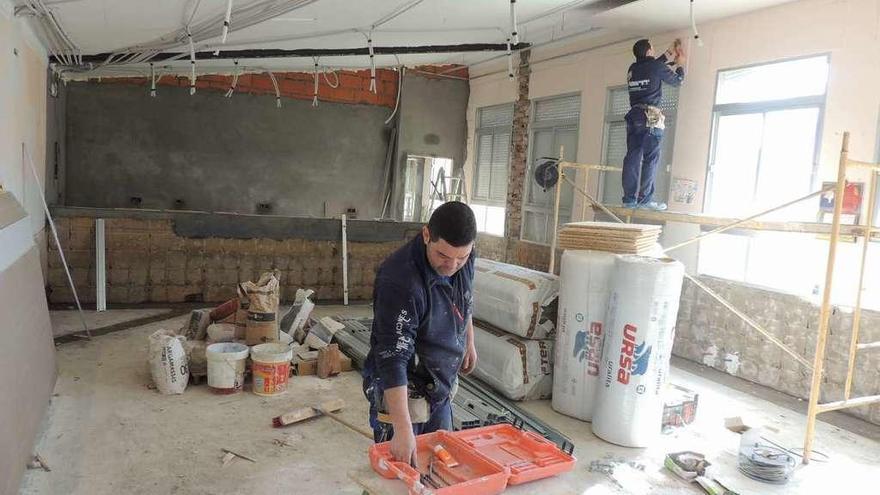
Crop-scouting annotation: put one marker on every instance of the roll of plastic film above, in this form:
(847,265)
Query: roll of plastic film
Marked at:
(583,302)
(642,312)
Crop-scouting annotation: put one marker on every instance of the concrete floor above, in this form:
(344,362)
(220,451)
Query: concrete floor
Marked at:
(66,322)
(107,432)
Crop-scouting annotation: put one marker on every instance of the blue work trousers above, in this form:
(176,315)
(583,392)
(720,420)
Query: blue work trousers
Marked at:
(642,158)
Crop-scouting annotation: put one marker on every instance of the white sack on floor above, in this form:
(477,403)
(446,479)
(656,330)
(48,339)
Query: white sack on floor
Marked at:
(518,368)
(168,364)
(584,286)
(642,312)
(514,298)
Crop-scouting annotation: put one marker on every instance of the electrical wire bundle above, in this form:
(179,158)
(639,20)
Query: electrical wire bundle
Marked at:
(59,43)
(766,463)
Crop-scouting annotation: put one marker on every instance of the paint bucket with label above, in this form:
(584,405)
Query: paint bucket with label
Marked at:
(226,364)
(271,368)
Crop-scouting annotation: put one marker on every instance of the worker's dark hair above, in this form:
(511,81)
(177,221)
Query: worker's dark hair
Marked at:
(453,222)
(641,47)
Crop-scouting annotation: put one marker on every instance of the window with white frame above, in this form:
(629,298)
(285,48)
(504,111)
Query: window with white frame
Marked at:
(554,126)
(491,162)
(614,142)
(765,140)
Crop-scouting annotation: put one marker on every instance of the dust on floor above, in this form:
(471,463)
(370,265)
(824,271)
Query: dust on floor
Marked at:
(107,432)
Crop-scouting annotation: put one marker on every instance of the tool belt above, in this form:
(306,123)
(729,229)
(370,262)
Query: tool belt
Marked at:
(417,403)
(654,116)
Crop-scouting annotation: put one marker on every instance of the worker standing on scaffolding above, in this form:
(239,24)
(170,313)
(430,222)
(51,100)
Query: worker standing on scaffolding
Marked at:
(644,121)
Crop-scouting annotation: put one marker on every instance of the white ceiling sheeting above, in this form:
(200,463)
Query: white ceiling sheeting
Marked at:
(100,26)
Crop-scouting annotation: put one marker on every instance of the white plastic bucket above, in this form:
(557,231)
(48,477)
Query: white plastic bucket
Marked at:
(271,368)
(226,363)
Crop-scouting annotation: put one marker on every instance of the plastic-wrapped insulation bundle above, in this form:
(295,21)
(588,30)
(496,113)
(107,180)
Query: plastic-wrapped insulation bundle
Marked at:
(583,303)
(515,299)
(642,311)
(518,368)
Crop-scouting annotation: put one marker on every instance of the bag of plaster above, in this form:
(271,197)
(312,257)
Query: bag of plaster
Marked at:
(168,364)
(518,368)
(295,319)
(515,299)
(262,312)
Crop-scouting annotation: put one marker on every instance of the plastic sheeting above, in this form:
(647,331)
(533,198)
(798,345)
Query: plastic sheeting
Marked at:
(642,311)
(518,368)
(514,298)
(583,302)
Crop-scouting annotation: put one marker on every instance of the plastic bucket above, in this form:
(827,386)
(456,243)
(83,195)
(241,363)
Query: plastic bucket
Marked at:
(226,363)
(271,368)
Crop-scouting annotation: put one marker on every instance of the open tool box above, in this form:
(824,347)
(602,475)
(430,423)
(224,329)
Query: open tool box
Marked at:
(486,460)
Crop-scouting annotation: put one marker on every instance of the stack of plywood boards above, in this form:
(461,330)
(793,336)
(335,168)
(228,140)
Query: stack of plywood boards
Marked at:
(626,238)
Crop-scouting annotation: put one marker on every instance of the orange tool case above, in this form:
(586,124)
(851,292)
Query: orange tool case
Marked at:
(489,458)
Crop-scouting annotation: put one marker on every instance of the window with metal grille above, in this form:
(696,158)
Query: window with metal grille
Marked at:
(491,162)
(554,126)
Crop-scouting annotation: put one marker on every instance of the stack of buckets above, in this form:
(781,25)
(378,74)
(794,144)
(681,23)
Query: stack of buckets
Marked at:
(270,367)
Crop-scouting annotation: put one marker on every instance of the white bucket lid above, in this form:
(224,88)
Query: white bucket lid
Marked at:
(272,353)
(226,351)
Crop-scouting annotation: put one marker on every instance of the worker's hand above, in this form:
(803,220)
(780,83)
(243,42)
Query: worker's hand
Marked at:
(470,359)
(680,59)
(403,446)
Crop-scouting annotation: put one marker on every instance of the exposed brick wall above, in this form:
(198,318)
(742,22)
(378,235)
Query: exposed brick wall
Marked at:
(354,86)
(517,252)
(148,262)
(710,334)
(519,152)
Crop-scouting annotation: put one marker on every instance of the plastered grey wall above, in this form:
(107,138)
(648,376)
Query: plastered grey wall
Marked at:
(219,154)
(710,334)
(432,123)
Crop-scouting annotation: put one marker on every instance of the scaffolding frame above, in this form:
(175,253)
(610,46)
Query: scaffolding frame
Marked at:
(865,232)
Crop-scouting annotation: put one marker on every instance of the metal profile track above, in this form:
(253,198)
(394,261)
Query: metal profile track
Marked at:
(475,404)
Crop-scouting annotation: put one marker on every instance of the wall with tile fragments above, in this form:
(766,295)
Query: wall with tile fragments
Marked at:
(710,334)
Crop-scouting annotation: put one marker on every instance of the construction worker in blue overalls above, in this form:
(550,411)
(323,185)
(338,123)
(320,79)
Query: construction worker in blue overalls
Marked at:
(644,122)
(422,333)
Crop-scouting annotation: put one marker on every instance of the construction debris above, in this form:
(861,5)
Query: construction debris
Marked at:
(236,454)
(321,334)
(294,322)
(609,463)
(329,361)
(308,412)
(38,463)
(262,319)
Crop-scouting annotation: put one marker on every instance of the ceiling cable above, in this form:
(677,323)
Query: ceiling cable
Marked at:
(372,63)
(315,96)
(277,91)
(226,20)
(231,89)
(192,66)
(152,81)
(513,34)
(400,9)
(694,26)
(509,61)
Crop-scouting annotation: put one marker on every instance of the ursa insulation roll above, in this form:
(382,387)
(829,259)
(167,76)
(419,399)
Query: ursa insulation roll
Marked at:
(515,299)
(584,287)
(518,368)
(642,311)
